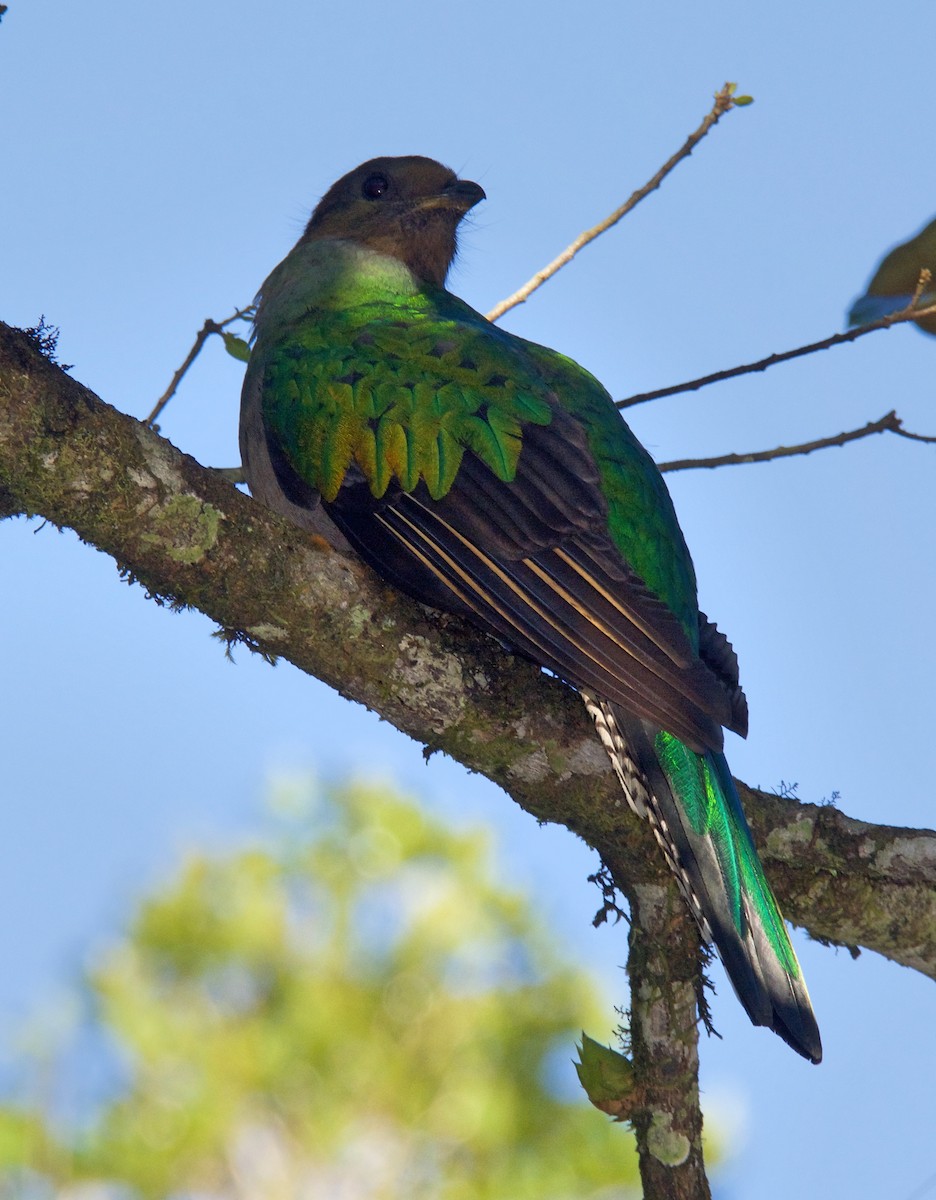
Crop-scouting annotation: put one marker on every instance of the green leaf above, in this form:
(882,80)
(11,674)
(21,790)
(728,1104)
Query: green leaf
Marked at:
(606,1076)
(740,101)
(236,347)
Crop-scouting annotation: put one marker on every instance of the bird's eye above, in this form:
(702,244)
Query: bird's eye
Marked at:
(374,186)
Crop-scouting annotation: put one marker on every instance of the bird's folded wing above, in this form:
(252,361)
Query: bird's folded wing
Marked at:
(486,475)
(524,560)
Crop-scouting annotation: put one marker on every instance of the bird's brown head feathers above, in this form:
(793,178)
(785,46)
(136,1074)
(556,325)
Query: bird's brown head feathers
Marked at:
(406,207)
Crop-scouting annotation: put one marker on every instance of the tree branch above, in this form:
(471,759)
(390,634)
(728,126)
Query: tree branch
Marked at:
(724,100)
(910,313)
(889,423)
(193,540)
(847,881)
(663,968)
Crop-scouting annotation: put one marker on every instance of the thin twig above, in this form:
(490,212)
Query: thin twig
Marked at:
(724,101)
(910,313)
(889,423)
(922,283)
(204,333)
(915,437)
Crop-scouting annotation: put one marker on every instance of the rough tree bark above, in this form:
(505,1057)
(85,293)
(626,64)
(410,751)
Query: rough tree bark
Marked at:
(191,539)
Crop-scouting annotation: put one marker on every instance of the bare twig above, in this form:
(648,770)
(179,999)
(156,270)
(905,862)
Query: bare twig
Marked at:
(202,336)
(915,437)
(910,313)
(724,101)
(889,423)
(925,276)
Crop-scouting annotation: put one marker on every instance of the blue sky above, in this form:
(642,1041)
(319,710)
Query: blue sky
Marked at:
(159,160)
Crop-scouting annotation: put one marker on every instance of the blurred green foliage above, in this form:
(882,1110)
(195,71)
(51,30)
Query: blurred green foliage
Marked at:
(357,1010)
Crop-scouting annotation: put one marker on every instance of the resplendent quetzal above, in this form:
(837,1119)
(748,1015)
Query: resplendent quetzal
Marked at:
(492,477)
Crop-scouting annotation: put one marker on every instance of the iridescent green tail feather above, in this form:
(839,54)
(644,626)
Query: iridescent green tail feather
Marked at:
(696,802)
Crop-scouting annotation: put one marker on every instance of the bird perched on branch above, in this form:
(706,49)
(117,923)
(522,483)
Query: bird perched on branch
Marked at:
(492,477)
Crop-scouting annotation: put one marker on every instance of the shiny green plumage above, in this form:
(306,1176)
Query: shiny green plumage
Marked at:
(494,477)
(400,399)
(712,809)
(403,390)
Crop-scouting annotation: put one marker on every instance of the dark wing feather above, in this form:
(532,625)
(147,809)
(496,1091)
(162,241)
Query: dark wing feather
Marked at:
(524,560)
(718,654)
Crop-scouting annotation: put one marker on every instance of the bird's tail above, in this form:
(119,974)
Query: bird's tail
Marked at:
(693,806)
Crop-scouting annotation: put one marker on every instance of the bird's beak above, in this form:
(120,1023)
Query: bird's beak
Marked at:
(460,195)
(464,194)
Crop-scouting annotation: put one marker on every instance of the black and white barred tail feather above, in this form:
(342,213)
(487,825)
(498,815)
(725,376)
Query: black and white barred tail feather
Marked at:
(720,877)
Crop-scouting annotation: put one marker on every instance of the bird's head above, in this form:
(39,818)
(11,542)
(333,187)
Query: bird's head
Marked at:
(408,208)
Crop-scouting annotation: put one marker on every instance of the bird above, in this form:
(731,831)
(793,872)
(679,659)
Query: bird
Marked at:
(494,478)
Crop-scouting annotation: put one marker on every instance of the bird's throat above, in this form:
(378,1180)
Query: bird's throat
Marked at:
(331,274)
